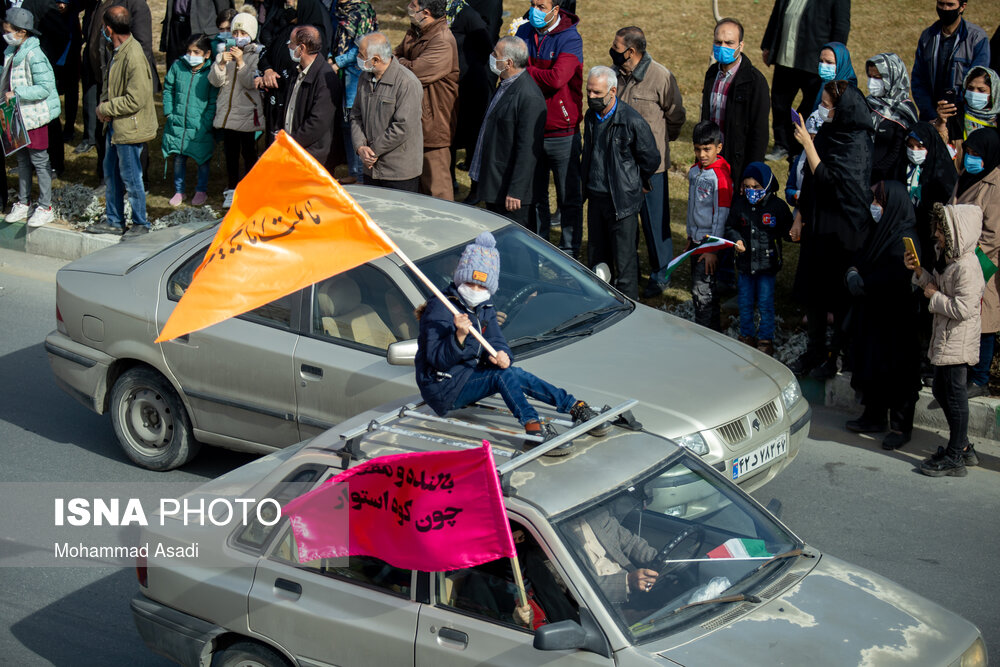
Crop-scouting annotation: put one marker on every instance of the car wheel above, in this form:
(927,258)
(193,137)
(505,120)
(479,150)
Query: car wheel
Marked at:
(248,654)
(150,421)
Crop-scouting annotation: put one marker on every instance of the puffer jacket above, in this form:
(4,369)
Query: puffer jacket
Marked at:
(955,306)
(33,83)
(986,195)
(761,227)
(238,105)
(189,107)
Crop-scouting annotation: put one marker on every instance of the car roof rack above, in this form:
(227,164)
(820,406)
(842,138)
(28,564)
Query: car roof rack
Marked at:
(384,423)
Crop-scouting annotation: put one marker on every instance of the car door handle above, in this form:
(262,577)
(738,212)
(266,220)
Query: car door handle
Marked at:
(311,372)
(456,636)
(292,587)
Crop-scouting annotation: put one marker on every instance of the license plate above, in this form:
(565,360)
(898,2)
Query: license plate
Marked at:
(760,457)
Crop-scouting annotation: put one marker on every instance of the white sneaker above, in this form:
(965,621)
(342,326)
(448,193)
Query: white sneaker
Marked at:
(227,198)
(18,213)
(43,215)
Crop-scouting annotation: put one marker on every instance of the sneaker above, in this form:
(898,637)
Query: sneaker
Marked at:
(43,215)
(581,412)
(766,346)
(199,198)
(976,390)
(82,147)
(895,440)
(227,198)
(547,431)
(18,213)
(135,230)
(777,153)
(862,425)
(944,467)
(104,227)
(176,199)
(969,456)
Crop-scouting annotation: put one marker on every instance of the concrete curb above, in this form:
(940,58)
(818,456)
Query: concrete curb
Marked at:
(52,240)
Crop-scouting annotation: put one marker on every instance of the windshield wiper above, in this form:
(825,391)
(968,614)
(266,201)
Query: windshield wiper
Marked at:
(739,597)
(523,340)
(585,317)
(788,554)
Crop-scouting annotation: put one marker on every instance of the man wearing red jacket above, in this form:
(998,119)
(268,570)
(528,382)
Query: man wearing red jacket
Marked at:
(555,63)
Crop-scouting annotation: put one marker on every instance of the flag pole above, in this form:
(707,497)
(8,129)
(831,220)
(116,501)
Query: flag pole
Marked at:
(433,288)
(518,580)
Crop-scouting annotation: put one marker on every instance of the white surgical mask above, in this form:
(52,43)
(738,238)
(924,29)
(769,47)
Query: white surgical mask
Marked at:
(192,60)
(11,39)
(876,211)
(291,54)
(364,66)
(876,87)
(493,66)
(916,155)
(472,296)
(823,113)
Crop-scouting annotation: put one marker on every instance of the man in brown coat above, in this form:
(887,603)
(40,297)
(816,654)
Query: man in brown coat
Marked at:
(651,89)
(429,51)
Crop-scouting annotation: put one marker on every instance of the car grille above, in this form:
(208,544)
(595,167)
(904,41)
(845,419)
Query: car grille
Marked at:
(736,431)
(768,414)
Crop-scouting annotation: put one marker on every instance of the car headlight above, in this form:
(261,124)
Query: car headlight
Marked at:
(791,394)
(694,442)
(974,656)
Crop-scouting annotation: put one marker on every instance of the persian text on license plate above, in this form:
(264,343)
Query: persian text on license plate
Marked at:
(760,457)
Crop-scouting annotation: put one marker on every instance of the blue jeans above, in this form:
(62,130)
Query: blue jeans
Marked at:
(655,216)
(980,373)
(759,289)
(123,172)
(180,174)
(513,384)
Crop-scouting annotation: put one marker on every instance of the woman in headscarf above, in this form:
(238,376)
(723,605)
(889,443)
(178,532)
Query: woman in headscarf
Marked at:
(833,215)
(930,178)
(979,184)
(978,108)
(884,309)
(834,65)
(893,112)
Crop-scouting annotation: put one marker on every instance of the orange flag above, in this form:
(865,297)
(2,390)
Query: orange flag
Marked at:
(291,225)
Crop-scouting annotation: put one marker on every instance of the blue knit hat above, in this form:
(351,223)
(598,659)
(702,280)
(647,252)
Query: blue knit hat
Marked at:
(761,173)
(480,263)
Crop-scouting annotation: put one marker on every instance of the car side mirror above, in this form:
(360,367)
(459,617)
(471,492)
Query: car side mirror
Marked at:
(402,353)
(603,272)
(569,635)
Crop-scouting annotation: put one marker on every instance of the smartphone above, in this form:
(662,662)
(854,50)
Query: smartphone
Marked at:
(230,43)
(951,96)
(908,243)
(796,118)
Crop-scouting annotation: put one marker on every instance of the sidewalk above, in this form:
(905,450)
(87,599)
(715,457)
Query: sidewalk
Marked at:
(58,240)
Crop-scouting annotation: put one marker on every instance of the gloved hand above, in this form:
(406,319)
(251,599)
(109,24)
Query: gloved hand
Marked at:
(855,283)
(524,616)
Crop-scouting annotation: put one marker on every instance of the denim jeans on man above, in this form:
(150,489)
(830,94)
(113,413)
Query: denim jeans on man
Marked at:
(980,373)
(180,174)
(123,172)
(561,156)
(950,393)
(655,216)
(513,384)
(757,289)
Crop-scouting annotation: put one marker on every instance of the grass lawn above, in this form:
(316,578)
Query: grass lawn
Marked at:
(679,35)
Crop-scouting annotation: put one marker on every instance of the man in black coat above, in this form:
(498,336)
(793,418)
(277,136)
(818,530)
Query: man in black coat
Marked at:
(313,98)
(619,156)
(735,97)
(510,141)
(795,34)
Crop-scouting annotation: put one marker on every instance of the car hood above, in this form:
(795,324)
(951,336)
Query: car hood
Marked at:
(691,378)
(119,259)
(839,614)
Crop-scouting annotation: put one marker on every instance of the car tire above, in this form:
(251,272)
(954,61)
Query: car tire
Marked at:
(248,654)
(150,421)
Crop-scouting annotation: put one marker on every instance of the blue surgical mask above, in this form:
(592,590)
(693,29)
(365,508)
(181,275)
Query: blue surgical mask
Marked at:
(876,211)
(754,195)
(827,71)
(242,41)
(225,35)
(724,54)
(976,100)
(107,37)
(973,163)
(537,18)
(193,61)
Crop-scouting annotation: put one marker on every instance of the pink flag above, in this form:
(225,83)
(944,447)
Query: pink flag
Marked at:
(430,511)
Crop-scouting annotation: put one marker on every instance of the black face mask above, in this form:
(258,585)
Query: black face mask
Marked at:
(617,59)
(948,16)
(597,104)
(290,14)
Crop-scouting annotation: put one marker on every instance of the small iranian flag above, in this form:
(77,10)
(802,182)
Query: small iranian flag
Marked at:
(708,244)
(737,548)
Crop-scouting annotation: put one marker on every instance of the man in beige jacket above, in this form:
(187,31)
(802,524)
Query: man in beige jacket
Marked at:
(429,51)
(651,89)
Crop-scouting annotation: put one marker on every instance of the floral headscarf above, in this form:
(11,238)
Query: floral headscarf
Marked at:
(894,103)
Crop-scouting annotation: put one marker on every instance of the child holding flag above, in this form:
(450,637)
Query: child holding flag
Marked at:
(710,194)
(758,220)
(452,368)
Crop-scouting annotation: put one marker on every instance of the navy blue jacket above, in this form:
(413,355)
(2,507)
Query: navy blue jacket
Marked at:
(443,367)
(761,226)
(972,49)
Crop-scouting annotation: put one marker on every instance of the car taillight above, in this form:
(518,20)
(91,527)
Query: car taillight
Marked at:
(60,324)
(141,571)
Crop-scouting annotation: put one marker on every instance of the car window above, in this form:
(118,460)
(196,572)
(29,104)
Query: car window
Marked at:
(362,306)
(676,537)
(488,590)
(277,312)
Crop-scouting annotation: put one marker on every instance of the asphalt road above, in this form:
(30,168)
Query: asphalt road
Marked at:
(843,494)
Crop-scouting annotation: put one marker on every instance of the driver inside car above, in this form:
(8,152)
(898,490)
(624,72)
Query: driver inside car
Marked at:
(453,369)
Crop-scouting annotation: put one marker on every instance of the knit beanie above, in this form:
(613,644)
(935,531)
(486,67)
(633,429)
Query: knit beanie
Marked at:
(246,23)
(480,263)
(761,173)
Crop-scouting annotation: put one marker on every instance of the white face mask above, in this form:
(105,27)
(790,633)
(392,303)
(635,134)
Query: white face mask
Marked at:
(493,66)
(916,155)
(876,87)
(291,54)
(823,113)
(193,60)
(472,296)
(11,38)
(364,66)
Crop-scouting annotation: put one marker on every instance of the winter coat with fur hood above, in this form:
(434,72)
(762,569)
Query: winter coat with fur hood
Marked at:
(238,105)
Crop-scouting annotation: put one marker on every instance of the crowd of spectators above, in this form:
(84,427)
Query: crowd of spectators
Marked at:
(915,156)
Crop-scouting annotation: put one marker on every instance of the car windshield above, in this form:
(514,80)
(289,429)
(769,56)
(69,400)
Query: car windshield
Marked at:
(672,539)
(543,295)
